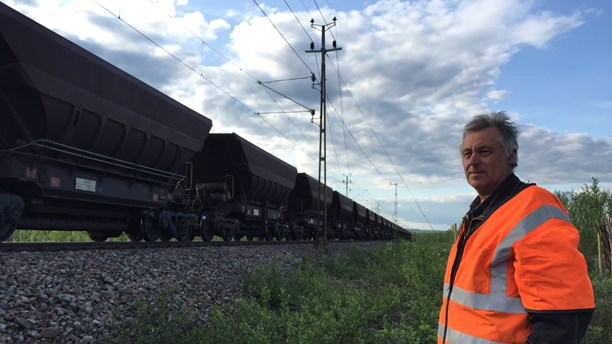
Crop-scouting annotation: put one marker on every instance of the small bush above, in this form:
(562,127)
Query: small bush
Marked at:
(599,329)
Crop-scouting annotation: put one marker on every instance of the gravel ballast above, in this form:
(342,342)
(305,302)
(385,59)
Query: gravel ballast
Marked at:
(75,297)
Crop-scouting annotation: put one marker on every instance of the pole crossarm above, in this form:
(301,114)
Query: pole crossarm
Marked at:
(284,96)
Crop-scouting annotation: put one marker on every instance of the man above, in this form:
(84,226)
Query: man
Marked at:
(515,274)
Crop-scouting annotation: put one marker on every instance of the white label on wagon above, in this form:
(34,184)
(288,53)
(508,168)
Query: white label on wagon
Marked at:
(85,184)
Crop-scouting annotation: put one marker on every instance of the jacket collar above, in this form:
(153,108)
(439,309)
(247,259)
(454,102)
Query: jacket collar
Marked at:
(480,211)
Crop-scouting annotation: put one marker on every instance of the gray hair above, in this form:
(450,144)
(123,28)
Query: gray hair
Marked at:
(508,131)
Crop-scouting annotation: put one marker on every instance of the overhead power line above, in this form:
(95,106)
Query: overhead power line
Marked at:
(299,22)
(382,147)
(156,4)
(283,36)
(174,56)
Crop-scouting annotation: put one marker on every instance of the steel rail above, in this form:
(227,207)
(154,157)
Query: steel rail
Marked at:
(129,245)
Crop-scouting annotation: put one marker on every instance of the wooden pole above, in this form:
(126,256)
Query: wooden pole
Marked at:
(599,253)
(610,246)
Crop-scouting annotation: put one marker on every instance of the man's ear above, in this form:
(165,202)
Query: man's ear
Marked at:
(513,158)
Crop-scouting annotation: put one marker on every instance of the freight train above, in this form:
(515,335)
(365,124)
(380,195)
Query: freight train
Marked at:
(85,146)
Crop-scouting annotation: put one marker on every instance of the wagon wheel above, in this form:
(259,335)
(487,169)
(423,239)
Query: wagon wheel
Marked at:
(299,234)
(134,237)
(10,210)
(6,228)
(228,233)
(193,229)
(277,232)
(267,235)
(164,236)
(236,230)
(183,230)
(206,231)
(149,230)
(97,237)
(289,236)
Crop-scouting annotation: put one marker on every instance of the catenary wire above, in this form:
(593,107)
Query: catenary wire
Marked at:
(299,22)
(384,150)
(283,36)
(174,56)
(210,46)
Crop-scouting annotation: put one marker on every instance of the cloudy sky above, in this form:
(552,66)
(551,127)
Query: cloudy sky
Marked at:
(408,77)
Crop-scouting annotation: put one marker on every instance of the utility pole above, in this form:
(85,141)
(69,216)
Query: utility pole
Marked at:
(323,120)
(395,206)
(347,182)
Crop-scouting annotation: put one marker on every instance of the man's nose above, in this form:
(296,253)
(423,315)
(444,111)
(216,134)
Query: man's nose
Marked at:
(474,159)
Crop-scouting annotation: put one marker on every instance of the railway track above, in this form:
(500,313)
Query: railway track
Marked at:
(84,246)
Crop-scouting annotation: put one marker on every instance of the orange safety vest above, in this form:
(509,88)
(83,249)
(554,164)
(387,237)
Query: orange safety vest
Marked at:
(523,257)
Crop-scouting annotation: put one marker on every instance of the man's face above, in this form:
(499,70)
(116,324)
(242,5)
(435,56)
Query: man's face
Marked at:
(484,162)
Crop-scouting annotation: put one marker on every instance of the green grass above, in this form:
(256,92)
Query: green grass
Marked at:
(29,235)
(389,295)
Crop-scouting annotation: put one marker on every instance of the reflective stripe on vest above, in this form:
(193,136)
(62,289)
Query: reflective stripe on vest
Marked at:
(453,336)
(497,300)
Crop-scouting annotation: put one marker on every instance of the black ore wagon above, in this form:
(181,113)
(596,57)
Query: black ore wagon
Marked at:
(83,145)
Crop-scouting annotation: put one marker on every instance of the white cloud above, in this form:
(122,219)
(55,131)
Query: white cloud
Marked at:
(496,94)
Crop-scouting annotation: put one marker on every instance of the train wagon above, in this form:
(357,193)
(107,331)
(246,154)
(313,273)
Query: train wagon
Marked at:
(83,144)
(401,233)
(360,222)
(306,206)
(242,188)
(339,216)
